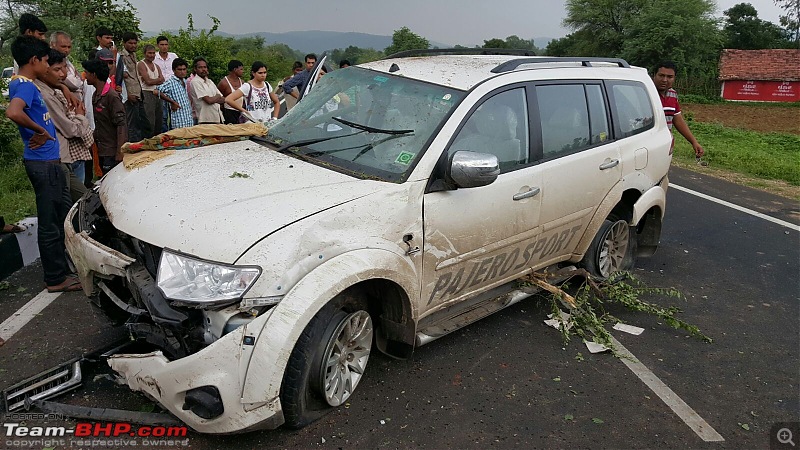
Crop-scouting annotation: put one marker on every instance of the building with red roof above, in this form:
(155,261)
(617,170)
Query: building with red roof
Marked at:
(769,75)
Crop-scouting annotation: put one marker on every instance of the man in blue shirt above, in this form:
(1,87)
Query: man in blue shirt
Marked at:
(174,92)
(300,79)
(41,158)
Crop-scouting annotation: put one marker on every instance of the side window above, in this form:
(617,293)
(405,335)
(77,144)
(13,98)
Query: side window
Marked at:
(564,119)
(500,127)
(631,108)
(598,119)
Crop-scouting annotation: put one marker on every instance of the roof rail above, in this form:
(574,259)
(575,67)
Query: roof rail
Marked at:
(585,62)
(462,51)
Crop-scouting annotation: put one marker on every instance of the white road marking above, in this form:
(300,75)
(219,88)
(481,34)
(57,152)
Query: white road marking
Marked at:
(10,326)
(737,207)
(678,406)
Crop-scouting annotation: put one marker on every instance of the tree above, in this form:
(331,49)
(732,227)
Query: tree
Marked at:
(79,18)
(512,42)
(495,43)
(189,43)
(602,24)
(791,20)
(744,30)
(644,32)
(405,39)
(10,10)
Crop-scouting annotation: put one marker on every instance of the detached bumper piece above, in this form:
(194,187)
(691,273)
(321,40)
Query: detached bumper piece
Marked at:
(46,385)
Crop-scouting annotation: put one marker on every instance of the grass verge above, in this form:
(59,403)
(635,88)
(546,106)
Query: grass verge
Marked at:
(771,156)
(17,199)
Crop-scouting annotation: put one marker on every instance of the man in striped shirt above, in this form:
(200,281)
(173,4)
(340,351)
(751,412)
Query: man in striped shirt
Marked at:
(664,77)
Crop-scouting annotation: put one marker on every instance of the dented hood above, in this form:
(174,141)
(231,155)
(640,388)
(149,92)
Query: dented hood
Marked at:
(217,201)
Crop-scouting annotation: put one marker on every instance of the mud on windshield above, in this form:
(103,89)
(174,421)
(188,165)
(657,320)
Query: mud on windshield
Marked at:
(365,123)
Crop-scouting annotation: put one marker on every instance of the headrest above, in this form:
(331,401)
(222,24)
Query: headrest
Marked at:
(496,121)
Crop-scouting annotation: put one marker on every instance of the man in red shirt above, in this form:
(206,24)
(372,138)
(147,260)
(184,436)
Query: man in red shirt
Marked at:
(664,77)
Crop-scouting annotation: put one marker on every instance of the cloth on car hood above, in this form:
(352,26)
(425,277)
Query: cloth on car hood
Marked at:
(196,136)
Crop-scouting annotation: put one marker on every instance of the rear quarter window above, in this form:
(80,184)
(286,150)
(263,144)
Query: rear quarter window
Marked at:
(631,108)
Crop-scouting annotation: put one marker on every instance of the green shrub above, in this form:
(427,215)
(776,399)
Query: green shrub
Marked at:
(17,199)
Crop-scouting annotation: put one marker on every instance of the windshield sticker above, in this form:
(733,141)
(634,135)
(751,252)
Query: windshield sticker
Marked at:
(381,79)
(404,158)
(447,97)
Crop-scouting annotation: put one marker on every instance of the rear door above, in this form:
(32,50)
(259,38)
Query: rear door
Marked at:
(580,162)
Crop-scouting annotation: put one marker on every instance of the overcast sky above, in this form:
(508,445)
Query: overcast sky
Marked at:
(446,21)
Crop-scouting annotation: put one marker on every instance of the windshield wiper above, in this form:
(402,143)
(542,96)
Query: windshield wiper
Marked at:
(369,128)
(284,147)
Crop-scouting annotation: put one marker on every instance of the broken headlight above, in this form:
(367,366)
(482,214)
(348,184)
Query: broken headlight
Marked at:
(188,279)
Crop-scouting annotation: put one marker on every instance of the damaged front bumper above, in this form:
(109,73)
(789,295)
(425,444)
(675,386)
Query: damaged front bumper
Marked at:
(204,389)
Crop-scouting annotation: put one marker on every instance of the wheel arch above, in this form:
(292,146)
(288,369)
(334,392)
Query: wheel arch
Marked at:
(368,272)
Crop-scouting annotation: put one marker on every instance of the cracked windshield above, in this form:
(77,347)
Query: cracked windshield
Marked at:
(367,124)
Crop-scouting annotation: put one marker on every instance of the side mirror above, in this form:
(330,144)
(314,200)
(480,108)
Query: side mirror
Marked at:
(470,169)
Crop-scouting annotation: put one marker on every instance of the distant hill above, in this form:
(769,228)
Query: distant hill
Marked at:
(319,41)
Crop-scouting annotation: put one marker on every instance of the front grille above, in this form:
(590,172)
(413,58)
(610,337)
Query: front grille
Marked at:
(46,385)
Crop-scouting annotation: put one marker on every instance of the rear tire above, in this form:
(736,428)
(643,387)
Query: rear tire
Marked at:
(328,361)
(612,249)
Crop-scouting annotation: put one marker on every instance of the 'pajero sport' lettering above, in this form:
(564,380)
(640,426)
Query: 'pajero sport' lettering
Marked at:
(394,197)
(497,266)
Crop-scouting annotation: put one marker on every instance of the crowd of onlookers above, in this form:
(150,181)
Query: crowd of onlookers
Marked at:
(73,122)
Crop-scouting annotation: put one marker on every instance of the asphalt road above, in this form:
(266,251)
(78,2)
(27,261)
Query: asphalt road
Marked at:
(510,381)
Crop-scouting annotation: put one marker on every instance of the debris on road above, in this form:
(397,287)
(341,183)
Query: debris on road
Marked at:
(630,329)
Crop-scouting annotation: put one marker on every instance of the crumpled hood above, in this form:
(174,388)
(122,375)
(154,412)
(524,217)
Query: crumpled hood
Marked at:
(217,201)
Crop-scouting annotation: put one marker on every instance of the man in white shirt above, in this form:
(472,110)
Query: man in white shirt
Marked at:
(206,97)
(164,57)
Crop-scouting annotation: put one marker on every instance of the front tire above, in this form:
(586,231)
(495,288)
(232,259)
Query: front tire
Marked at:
(328,361)
(612,249)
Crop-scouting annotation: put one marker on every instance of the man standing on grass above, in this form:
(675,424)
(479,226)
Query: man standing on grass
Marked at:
(110,127)
(205,95)
(664,77)
(174,93)
(41,158)
(69,124)
(129,76)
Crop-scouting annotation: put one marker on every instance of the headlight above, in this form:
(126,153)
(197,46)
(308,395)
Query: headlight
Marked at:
(188,279)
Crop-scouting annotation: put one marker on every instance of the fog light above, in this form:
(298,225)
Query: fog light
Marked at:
(204,401)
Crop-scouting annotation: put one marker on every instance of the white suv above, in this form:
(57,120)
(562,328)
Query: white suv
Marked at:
(397,202)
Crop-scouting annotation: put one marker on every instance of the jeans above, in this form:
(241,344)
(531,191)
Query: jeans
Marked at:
(79,170)
(107,163)
(52,204)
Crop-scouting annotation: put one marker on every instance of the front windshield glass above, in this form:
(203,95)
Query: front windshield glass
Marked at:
(365,123)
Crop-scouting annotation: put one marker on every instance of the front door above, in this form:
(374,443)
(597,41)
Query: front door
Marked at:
(475,238)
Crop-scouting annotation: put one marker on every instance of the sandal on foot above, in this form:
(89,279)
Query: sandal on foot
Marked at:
(68,285)
(10,228)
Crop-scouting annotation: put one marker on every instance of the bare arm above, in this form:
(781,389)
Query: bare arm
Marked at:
(683,129)
(230,100)
(276,112)
(16,113)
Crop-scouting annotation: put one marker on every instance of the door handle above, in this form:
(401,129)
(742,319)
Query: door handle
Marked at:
(528,194)
(610,164)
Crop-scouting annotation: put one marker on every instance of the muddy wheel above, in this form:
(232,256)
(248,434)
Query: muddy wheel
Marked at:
(612,249)
(328,361)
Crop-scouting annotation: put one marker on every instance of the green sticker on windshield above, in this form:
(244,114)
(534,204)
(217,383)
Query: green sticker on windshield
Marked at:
(381,79)
(404,158)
